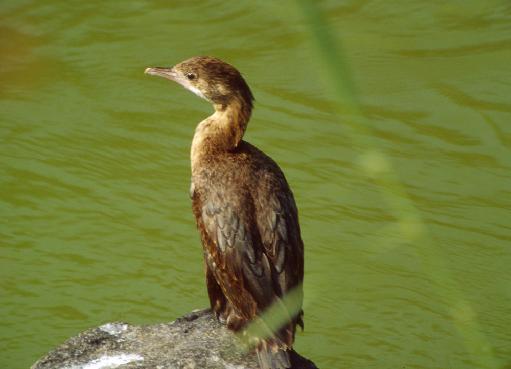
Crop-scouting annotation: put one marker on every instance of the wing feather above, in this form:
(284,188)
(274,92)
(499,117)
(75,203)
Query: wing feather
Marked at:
(235,255)
(280,238)
(264,255)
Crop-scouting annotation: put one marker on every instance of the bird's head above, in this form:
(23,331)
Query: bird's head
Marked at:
(210,78)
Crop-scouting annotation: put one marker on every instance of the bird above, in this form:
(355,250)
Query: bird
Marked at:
(245,212)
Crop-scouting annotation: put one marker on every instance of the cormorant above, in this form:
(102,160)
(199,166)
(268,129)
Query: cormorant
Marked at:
(244,208)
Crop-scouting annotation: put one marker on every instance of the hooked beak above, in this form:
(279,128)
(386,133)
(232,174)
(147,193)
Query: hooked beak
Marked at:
(161,72)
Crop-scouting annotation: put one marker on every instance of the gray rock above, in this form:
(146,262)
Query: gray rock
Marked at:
(196,340)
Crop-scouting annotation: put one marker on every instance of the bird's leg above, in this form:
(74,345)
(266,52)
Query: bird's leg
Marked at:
(217,299)
(233,320)
(223,309)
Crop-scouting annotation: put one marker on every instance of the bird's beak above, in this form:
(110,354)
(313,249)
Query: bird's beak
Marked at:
(164,72)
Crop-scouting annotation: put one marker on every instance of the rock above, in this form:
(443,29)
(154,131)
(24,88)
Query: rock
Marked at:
(196,340)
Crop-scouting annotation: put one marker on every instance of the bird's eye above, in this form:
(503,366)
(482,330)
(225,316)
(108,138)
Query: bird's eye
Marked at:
(191,76)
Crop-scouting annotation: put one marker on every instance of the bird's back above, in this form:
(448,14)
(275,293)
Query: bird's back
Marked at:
(242,198)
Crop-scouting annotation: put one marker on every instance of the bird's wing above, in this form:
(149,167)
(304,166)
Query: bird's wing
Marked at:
(282,245)
(280,236)
(235,256)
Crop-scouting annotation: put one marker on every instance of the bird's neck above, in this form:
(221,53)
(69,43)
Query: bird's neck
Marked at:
(220,132)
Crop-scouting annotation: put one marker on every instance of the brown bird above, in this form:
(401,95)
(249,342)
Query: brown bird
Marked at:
(245,212)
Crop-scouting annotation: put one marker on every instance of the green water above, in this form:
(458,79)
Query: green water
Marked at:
(404,197)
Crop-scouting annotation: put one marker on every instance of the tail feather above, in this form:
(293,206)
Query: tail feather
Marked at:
(271,356)
(273,351)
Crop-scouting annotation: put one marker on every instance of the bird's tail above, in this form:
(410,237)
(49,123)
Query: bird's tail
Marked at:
(272,355)
(274,350)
